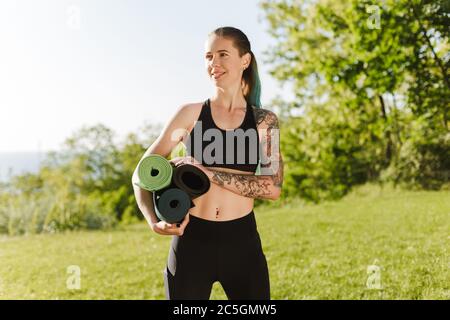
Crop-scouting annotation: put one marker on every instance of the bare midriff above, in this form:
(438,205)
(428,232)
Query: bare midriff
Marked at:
(220,204)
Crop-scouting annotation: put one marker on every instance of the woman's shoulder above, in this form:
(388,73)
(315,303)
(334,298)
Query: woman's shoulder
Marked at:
(265,117)
(188,113)
(190,107)
(189,110)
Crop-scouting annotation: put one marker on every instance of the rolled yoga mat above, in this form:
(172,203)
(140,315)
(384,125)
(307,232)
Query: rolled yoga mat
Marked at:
(171,204)
(186,181)
(161,215)
(154,172)
(191,179)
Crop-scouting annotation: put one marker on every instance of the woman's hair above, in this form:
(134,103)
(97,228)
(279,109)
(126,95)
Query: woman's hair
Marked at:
(252,88)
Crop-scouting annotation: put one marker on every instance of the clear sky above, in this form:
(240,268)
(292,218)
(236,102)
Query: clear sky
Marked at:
(64,64)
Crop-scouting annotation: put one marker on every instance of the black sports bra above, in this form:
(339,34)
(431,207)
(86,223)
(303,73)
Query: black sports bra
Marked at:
(215,147)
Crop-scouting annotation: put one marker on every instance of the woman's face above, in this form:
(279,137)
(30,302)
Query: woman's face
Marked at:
(222,61)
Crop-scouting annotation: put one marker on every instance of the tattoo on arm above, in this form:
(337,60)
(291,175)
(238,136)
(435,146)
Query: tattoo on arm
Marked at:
(278,177)
(270,121)
(247,185)
(257,186)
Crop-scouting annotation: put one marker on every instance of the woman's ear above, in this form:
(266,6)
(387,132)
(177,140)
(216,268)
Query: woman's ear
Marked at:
(247,60)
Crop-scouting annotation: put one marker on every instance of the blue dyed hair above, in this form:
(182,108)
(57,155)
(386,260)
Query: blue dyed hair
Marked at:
(250,75)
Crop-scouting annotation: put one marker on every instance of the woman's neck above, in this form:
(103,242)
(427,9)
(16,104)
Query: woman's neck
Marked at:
(229,102)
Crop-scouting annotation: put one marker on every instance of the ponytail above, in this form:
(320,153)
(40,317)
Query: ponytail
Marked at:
(251,83)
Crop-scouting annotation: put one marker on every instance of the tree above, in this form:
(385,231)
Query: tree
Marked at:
(362,71)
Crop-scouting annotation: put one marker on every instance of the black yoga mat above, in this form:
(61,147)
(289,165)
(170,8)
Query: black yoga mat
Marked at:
(191,179)
(171,204)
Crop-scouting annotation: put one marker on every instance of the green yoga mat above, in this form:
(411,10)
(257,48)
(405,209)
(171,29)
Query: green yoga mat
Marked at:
(171,205)
(154,172)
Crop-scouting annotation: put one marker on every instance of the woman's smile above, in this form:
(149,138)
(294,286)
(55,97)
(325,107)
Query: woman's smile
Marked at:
(218,75)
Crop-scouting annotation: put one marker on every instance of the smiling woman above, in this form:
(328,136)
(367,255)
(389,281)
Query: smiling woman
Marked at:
(238,57)
(219,240)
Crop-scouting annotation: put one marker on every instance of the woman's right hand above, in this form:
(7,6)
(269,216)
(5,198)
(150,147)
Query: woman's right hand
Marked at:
(169,229)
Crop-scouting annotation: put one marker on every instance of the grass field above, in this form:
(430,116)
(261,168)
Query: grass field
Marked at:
(314,252)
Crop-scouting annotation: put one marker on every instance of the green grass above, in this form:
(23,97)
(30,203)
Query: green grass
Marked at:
(314,252)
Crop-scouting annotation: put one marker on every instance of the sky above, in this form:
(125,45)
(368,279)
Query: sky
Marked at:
(65,64)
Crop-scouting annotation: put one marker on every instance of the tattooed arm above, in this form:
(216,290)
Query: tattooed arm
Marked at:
(267,185)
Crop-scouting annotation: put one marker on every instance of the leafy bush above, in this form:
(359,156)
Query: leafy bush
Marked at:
(424,158)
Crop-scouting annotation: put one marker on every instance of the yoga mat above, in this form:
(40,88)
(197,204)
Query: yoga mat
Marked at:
(171,204)
(157,194)
(154,172)
(191,179)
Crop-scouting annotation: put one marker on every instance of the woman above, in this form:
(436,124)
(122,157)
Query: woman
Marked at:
(218,239)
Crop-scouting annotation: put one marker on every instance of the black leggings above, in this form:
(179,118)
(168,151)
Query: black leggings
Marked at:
(226,251)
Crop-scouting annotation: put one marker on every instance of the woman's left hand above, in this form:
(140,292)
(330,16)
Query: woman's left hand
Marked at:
(189,160)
